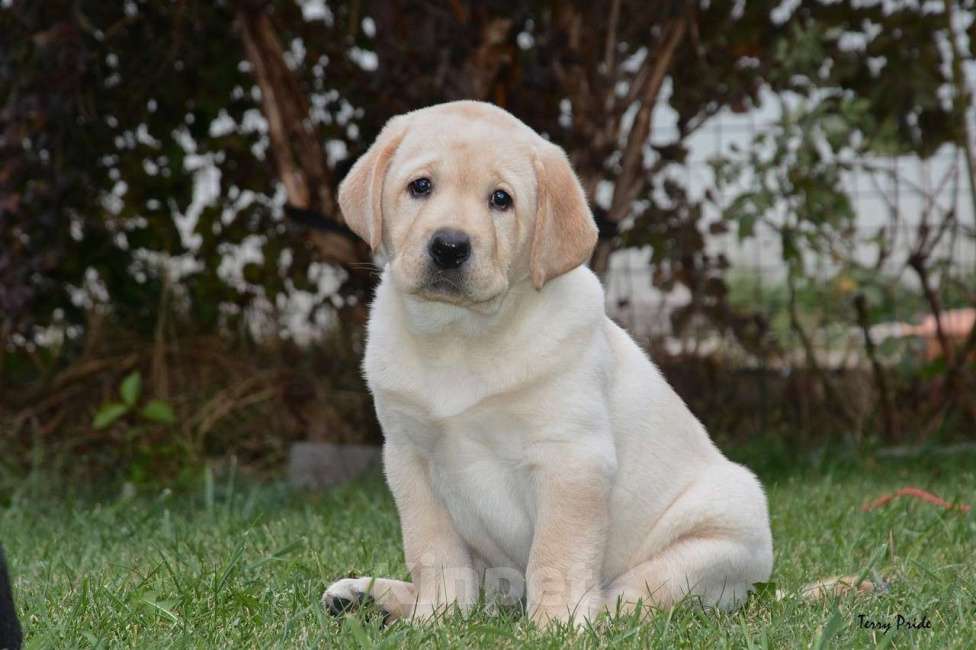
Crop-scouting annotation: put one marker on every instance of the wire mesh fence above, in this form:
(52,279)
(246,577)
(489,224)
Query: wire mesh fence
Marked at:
(902,206)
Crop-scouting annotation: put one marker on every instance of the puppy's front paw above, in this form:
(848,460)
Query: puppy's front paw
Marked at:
(548,615)
(348,594)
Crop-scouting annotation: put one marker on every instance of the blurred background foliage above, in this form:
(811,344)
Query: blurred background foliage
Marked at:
(167,204)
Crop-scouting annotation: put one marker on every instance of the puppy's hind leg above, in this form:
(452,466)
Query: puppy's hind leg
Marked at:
(719,571)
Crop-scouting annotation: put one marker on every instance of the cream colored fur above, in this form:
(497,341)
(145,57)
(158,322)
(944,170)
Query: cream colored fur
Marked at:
(534,451)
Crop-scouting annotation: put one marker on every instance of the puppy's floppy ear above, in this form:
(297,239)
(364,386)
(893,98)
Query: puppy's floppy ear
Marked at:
(565,232)
(361,191)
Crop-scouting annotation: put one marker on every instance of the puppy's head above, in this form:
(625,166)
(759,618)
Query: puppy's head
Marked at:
(465,200)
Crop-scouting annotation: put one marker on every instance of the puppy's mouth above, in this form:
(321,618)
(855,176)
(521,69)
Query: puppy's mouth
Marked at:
(447,286)
(452,287)
(460,287)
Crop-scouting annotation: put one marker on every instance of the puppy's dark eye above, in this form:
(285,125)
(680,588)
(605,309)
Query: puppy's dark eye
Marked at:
(420,187)
(500,200)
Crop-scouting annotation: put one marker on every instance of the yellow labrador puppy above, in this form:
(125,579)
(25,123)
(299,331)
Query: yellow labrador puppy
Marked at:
(533,450)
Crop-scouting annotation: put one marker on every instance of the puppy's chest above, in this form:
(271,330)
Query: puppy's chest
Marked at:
(456,430)
(487,491)
(483,399)
(439,392)
(477,470)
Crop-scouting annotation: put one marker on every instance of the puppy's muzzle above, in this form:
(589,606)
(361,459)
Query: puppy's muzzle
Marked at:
(449,249)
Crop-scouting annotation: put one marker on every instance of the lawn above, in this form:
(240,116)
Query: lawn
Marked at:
(241,564)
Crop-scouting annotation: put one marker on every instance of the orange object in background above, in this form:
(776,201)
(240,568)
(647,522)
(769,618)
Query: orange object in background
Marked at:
(915,493)
(956,324)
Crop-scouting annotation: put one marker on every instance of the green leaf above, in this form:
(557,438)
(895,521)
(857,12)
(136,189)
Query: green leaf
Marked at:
(747,225)
(131,388)
(109,413)
(158,411)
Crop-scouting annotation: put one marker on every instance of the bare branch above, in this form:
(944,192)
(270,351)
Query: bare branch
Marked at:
(918,262)
(296,144)
(887,417)
(610,52)
(631,178)
(808,350)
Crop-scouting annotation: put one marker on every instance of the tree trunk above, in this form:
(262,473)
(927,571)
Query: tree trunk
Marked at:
(632,177)
(299,156)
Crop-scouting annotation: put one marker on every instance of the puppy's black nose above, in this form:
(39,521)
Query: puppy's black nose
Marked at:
(449,248)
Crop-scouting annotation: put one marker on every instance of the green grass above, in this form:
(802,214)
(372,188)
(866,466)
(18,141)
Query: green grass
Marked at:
(231,565)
